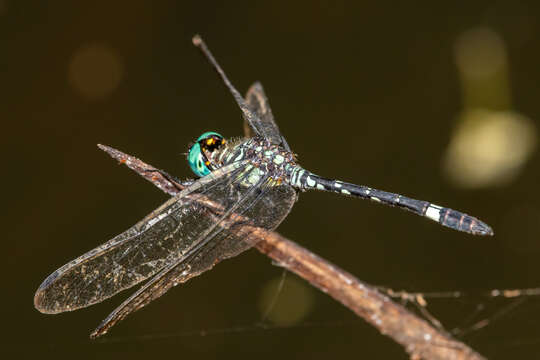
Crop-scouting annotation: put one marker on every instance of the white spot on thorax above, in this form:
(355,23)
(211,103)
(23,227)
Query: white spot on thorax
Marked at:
(278,159)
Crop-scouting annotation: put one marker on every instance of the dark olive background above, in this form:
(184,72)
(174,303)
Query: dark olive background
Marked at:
(366,91)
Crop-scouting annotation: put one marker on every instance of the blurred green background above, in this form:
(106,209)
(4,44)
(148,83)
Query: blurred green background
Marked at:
(438,101)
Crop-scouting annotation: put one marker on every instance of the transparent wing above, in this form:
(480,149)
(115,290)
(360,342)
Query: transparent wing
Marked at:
(258,117)
(260,208)
(140,252)
(265,124)
(248,115)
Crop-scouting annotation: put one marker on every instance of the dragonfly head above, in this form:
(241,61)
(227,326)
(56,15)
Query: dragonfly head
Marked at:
(199,152)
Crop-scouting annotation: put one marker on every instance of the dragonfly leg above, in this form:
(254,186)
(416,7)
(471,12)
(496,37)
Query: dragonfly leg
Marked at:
(171,178)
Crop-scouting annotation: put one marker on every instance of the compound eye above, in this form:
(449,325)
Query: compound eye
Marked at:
(206,143)
(210,141)
(196,161)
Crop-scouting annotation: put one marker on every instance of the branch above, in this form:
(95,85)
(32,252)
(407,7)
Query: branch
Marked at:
(417,336)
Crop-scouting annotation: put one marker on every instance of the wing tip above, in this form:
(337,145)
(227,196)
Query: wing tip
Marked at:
(104,327)
(256,86)
(40,295)
(96,333)
(40,303)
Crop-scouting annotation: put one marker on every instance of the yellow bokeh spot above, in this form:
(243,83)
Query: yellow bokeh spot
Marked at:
(491,142)
(95,71)
(489,147)
(294,302)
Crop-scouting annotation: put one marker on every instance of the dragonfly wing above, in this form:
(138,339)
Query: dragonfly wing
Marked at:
(141,251)
(265,124)
(261,209)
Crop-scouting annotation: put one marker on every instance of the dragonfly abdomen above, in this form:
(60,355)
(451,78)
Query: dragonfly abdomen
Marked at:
(453,219)
(458,220)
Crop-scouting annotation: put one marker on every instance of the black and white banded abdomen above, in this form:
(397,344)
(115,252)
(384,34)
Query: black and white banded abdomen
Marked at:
(303,179)
(456,220)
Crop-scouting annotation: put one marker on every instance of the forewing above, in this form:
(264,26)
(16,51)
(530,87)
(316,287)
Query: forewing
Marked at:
(260,209)
(159,239)
(265,124)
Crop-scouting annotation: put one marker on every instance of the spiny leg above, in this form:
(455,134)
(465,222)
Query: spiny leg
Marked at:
(171,178)
(447,217)
(248,114)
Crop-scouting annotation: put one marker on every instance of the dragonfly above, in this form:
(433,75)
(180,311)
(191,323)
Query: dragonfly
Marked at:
(243,184)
